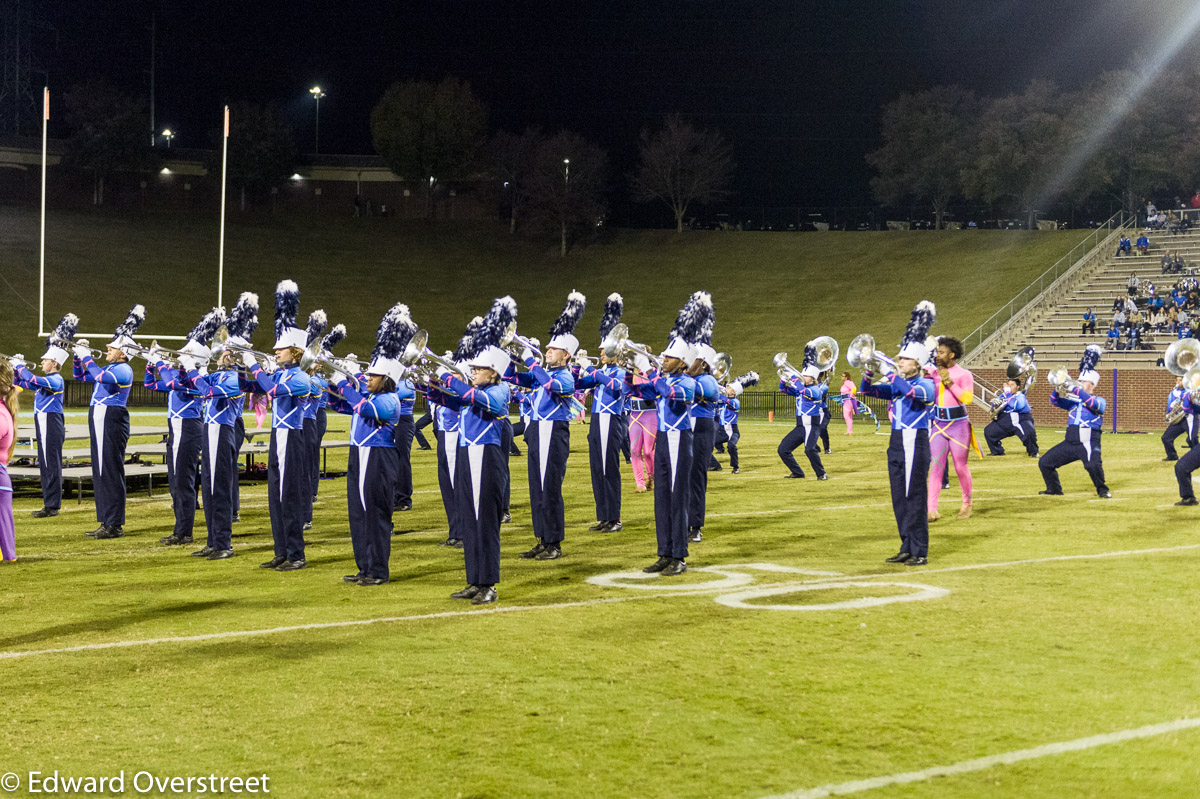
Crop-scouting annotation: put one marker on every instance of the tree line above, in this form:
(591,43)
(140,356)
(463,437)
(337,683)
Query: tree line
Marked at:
(1128,136)
(551,183)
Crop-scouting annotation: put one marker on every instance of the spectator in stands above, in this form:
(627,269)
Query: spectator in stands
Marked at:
(1182,331)
(1184,224)
(1183,317)
(1179,265)
(1160,221)
(1125,247)
(1172,317)
(1151,211)
(1130,305)
(1132,338)
(1167,263)
(1143,244)
(1158,320)
(1157,302)
(1133,285)
(1196,199)
(1119,319)
(1114,337)
(1136,319)
(1089,322)
(1118,303)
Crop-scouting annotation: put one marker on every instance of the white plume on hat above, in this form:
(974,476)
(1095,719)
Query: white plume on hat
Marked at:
(913,344)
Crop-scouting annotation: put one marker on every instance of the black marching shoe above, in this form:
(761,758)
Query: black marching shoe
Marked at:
(612,527)
(899,557)
(916,561)
(598,526)
(486,596)
(111,531)
(369,581)
(237,517)
(716,468)
(674,568)
(657,565)
(45,513)
(403,506)
(458,543)
(220,554)
(96,532)
(272,563)
(695,536)
(538,549)
(827,452)
(203,553)
(1048,493)
(352,578)
(1105,494)
(551,552)
(467,593)
(822,476)
(1187,501)
(175,540)
(793,476)
(307,526)
(291,565)
(736,470)
(506,518)
(449,542)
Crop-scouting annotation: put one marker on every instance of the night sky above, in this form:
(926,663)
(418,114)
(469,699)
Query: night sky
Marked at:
(795,86)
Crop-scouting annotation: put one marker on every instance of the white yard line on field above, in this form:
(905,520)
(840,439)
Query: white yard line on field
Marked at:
(1002,759)
(699,590)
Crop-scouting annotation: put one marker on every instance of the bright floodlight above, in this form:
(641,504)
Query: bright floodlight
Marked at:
(315,91)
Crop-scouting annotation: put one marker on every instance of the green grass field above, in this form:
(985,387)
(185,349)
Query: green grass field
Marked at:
(772,291)
(569,688)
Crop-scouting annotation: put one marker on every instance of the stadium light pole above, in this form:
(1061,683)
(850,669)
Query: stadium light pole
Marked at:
(317,94)
(168,134)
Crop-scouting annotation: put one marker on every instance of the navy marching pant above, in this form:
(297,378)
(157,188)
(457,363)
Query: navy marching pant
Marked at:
(1185,426)
(370,488)
(109,428)
(218,477)
(807,432)
(239,436)
(604,448)
(908,472)
(729,435)
(287,491)
(549,446)
(672,492)
(622,420)
(184,441)
(1005,427)
(50,434)
(322,421)
(1079,445)
(479,489)
(447,448)
(308,439)
(703,435)
(424,421)
(506,446)
(1183,472)
(824,426)
(403,435)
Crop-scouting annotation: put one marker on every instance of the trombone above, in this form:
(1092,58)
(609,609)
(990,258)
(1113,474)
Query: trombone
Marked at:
(420,359)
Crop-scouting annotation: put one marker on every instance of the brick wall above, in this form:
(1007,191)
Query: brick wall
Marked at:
(1141,397)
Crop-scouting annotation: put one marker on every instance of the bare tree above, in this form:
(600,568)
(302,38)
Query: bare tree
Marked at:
(108,133)
(512,160)
(567,186)
(682,167)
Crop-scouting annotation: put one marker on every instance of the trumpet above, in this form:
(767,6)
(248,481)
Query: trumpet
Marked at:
(515,343)
(1061,380)
(424,362)
(863,355)
(69,345)
(784,368)
(221,344)
(170,356)
(583,360)
(618,347)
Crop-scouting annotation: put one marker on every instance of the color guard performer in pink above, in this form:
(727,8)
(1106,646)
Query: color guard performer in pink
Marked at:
(950,431)
(643,432)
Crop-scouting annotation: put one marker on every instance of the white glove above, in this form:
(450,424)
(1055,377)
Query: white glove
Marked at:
(528,355)
(187,363)
(17,361)
(641,363)
(349,367)
(248,360)
(443,372)
(80,351)
(155,353)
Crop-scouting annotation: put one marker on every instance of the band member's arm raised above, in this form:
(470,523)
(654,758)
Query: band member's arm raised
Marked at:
(28,380)
(561,382)
(919,389)
(790,385)
(1093,403)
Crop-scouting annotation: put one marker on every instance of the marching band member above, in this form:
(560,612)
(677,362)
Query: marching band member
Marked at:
(317,322)
(288,486)
(672,391)
(48,412)
(447,424)
(604,435)
(552,407)
(406,428)
(910,397)
(1185,424)
(108,421)
(810,404)
(1191,459)
(374,462)
(481,462)
(223,400)
(704,411)
(951,435)
(1015,419)
(319,402)
(10,405)
(731,406)
(643,432)
(1083,429)
(253,396)
(185,433)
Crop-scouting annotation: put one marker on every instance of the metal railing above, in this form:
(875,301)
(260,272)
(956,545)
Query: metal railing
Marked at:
(1030,293)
